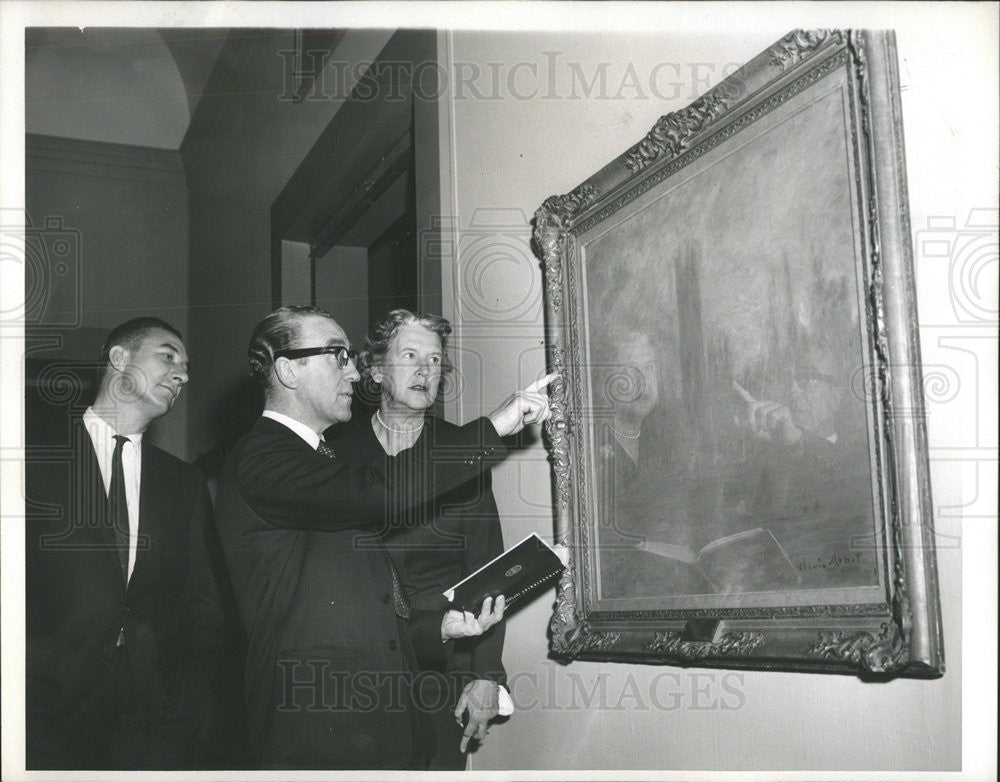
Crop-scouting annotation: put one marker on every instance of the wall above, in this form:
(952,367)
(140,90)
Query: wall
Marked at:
(508,153)
(245,141)
(110,85)
(341,287)
(124,210)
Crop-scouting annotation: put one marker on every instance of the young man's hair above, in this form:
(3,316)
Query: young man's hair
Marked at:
(131,333)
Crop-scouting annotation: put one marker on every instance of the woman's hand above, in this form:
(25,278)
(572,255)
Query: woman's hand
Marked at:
(482,700)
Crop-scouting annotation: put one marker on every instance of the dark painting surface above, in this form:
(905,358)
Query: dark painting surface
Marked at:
(725,355)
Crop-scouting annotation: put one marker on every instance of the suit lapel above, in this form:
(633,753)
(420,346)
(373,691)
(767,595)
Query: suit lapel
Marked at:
(92,498)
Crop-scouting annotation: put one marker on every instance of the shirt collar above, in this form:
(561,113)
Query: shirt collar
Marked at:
(298,427)
(101,431)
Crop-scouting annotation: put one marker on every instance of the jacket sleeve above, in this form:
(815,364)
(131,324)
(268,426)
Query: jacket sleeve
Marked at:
(206,625)
(197,698)
(290,486)
(483,542)
(425,635)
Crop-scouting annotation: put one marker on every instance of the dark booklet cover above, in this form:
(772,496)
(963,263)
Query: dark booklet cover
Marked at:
(513,574)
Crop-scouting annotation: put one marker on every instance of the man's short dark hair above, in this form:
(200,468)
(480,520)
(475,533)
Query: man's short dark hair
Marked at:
(131,333)
(278,331)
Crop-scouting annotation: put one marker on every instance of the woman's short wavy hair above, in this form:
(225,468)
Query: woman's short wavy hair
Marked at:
(382,333)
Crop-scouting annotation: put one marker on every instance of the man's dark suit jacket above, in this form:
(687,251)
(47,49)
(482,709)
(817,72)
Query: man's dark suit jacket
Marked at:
(77,603)
(327,657)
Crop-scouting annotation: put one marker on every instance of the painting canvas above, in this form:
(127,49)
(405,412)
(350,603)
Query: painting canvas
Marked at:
(727,382)
(724,442)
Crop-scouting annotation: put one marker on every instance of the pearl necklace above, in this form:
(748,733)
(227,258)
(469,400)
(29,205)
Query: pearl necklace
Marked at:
(625,436)
(378,415)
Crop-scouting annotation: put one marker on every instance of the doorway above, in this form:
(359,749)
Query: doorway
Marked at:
(351,229)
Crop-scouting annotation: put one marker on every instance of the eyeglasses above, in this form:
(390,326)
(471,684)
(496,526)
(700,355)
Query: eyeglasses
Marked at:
(344,355)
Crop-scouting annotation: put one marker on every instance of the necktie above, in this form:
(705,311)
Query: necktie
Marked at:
(325,450)
(118,505)
(401,601)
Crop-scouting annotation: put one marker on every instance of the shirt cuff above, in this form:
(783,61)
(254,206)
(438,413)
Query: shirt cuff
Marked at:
(506,705)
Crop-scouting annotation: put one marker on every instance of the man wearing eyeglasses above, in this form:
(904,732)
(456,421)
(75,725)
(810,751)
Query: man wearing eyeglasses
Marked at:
(332,640)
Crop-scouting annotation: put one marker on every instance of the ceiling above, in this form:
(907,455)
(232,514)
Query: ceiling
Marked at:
(121,85)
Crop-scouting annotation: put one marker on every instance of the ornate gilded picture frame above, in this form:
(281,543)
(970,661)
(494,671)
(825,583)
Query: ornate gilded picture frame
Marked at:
(738,437)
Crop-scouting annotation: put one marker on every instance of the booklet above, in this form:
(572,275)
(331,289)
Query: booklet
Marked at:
(513,574)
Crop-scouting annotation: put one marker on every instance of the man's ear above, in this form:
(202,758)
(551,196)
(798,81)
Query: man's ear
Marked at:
(285,371)
(118,357)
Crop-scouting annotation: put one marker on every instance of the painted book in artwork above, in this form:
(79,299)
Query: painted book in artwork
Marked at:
(748,561)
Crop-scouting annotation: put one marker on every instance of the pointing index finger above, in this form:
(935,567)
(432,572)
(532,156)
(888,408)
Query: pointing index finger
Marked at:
(538,385)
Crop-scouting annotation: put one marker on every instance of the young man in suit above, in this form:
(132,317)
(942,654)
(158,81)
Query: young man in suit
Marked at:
(124,625)
(332,642)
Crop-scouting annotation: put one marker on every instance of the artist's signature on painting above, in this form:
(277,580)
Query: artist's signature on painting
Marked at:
(834,562)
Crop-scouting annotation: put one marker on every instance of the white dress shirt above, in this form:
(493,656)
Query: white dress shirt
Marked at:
(102,435)
(298,427)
